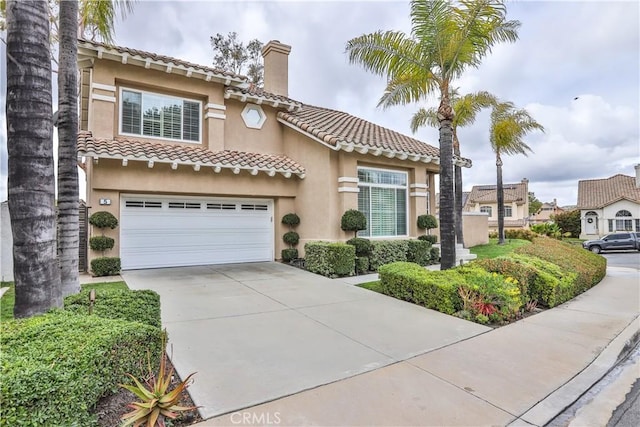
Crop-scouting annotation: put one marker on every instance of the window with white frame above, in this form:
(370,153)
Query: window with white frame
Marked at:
(508,211)
(383,201)
(623,220)
(486,209)
(159,116)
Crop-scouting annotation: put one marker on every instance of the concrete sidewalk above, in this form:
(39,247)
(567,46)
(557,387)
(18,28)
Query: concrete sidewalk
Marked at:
(521,374)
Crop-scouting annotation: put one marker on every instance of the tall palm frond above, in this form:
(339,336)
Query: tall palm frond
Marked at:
(508,128)
(97,17)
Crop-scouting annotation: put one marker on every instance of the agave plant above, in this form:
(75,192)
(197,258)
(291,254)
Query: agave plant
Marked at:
(158,403)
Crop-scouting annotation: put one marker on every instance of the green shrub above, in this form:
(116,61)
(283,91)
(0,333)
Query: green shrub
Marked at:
(291,219)
(289,254)
(427,222)
(547,229)
(55,367)
(418,251)
(353,220)
(523,273)
(435,255)
(489,294)
(105,266)
(387,251)
(362,264)
(330,259)
(517,234)
(291,238)
(590,268)
(134,306)
(103,219)
(569,222)
(433,239)
(437,290)
(363,246)
(101,243)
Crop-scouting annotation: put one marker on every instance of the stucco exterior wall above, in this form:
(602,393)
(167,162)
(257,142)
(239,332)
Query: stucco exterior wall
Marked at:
(605,214)
(475,229)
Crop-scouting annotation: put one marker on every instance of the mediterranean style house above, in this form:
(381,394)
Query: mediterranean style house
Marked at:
(484,198)
(199,166)
(546,212)
(610,204)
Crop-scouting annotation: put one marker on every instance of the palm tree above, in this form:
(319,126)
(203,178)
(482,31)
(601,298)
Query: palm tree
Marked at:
(445,40)
(68,203)
(30,148)
(465,109)
(97,17)
(508,128)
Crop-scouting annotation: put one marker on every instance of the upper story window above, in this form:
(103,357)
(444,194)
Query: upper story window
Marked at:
(508,211)
(383,201)
(486,209)
(159,116)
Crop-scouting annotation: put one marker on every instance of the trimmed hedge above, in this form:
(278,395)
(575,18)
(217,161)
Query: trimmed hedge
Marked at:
(103,219)
(387,251)
(435,255)
(523,273)
(363,246)
(427,222)
(291,219)
(105,266)
(134,306)
(291,238)
(590,268)
(519,234)
(410,282)
(101,243)
(330,259)
(362,264)
(431,238)
(487,292)
(55,367)
(418,251)
(353,220)
(289,254)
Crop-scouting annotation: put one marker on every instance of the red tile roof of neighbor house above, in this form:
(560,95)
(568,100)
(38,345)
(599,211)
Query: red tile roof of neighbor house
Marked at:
(596,193)
(131,149)
(489,193)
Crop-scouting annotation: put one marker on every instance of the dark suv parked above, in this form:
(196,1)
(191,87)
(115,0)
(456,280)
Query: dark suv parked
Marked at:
(613,242)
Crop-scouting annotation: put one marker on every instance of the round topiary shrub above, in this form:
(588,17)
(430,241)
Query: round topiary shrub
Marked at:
(427,222)
(291,219)
(429,238)
(101,243)
(289,254)
(353,220)
(363,246)
(103,219)
(291,238)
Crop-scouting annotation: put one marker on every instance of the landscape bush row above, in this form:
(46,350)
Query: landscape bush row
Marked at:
(546,273)
(55,367)
(362,255)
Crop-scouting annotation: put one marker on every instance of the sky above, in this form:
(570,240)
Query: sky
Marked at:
(575,69)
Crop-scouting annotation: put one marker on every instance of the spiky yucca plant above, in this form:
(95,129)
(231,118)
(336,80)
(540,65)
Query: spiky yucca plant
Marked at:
(158,403)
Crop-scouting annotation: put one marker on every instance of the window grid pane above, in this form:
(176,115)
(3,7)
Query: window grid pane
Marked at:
(508,212)
(191,121)
(363,206)
(131,108)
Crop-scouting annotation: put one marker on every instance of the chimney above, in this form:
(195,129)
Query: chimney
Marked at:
(276,67)
(637,175)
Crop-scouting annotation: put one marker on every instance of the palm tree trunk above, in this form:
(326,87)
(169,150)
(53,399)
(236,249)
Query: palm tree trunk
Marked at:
(447,213)
(30,147)
(500,192)
(68,203)
(458,191)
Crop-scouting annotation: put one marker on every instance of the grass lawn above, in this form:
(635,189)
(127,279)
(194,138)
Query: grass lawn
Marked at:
(8,299)
(372,286)
(493,250)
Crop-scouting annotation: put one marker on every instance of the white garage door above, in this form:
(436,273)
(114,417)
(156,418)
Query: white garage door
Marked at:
(171,232)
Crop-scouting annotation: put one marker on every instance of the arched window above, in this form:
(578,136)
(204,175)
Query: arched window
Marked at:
(623,220)
(486,209)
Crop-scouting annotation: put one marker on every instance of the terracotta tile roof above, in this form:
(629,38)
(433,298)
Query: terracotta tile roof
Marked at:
(597,193)
(131,149)
(259,93)
(340,129)
(489,193)
(161,58)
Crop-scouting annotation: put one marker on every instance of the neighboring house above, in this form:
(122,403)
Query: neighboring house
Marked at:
(610,204)
(6,244)
(484,198)
(199,167)
(547,210)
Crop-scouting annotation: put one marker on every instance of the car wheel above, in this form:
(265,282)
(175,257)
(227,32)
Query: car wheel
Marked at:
(595,249)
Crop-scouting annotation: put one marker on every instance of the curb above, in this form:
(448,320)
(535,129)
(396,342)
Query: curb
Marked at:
(563,397)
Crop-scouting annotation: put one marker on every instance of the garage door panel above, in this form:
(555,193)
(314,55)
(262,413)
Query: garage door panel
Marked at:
(159,236)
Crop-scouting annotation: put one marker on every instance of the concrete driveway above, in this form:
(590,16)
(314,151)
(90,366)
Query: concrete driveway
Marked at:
(257,332)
